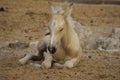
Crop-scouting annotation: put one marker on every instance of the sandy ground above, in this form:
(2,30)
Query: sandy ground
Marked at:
(27,20)
(94,65)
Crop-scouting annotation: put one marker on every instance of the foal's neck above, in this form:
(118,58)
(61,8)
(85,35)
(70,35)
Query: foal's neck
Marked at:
(68,34)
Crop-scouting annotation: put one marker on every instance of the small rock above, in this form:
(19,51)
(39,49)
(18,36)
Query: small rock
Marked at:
(2,9)
(91,21)
(89,57)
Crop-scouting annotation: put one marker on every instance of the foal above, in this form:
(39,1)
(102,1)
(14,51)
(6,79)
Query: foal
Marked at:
(62,44)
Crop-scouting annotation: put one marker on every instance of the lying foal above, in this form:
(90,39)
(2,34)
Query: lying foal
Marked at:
(62,44)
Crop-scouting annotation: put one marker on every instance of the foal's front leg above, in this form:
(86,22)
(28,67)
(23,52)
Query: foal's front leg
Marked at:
(47,60)
(71,63)
(68,64)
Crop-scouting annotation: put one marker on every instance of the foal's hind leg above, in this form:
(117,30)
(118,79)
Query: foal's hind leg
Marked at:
(38,54)
(32,53)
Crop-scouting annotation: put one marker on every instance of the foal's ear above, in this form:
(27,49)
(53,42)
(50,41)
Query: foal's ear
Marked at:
(68,10)
(51,10)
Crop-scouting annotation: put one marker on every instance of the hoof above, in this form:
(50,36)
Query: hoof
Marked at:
(19,63)
(46,65)
(35,64)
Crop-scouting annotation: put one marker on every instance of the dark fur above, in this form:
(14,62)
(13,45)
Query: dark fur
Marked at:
(47,34)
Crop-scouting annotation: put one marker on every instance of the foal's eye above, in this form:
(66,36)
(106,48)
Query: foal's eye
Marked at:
(61,29)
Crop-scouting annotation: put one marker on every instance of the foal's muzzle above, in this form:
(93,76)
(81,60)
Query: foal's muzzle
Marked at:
(52,49)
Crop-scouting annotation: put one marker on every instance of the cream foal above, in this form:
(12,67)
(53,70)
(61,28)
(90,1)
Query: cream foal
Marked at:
(62,44)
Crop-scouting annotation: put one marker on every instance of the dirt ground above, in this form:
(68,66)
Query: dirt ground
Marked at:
(94,65)
(27,20)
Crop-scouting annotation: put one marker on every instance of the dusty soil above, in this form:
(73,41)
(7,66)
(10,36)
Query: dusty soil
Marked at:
(27,20)
(94,65)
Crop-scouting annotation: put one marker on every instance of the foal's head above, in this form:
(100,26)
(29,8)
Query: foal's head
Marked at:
(57,27)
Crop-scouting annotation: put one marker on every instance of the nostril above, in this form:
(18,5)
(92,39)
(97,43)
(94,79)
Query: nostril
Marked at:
(52,49)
